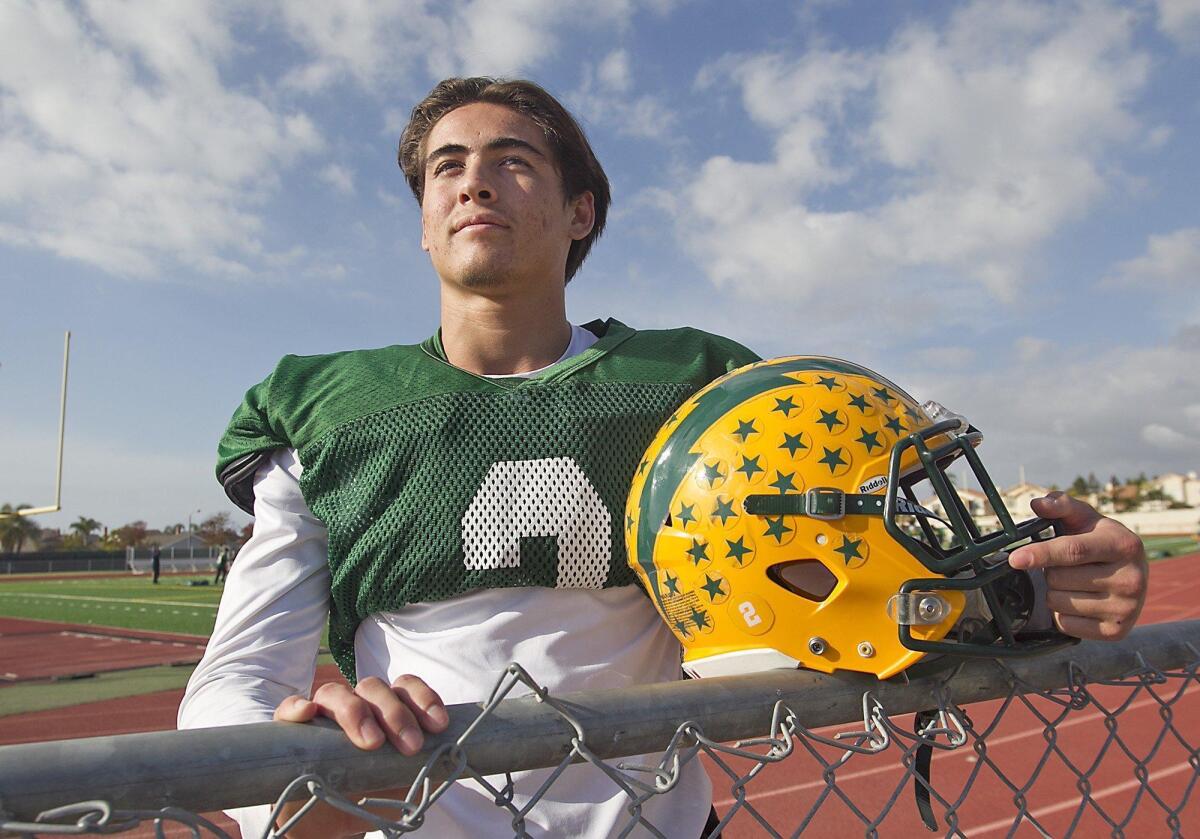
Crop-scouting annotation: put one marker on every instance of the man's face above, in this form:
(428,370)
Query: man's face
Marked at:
(493,214)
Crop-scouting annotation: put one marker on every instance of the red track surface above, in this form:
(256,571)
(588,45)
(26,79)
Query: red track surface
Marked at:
(32,650)
(785,792)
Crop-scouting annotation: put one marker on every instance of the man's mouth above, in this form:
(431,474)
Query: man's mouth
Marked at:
(478,222)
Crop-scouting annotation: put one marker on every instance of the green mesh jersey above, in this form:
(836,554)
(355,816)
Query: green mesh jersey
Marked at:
(433,481)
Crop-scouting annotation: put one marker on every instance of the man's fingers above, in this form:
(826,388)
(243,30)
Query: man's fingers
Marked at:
(296,709)
(393,716)
(1091,604)
(352,714)
(424,701)
(1072,514)
(374,711)
(1093,628)
(1112,577)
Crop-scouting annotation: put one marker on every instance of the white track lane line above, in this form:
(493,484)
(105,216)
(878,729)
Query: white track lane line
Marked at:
(960,752)
(1000,824)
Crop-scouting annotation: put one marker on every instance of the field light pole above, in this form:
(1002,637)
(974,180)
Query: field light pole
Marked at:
(191,541)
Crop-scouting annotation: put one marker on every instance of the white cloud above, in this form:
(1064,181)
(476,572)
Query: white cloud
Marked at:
(1192,412)
(132,155)
(1180,20)
(1029,348)
(377,41)
(1118,411)
(970,145)
(605,96)
(1164,437)
(338,177)
(1171,260)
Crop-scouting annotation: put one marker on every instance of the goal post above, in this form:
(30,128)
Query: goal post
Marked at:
(62,424)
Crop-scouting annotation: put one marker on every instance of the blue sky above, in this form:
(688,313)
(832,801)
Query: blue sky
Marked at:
(992,203)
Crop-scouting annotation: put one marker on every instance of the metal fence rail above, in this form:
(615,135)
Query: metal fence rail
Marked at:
(126,778)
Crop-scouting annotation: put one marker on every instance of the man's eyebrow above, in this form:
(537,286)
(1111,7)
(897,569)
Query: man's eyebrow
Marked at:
(497,144)
(514,143)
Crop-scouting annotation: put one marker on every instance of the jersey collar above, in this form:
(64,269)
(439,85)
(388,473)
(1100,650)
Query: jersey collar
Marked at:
(610,333)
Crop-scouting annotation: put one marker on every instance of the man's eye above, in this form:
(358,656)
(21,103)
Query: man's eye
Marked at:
(445,165)
(514,161)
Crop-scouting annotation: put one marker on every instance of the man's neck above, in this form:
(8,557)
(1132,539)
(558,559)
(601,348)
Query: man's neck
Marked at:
(498,337)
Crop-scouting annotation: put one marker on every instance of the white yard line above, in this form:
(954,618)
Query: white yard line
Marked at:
(111,599)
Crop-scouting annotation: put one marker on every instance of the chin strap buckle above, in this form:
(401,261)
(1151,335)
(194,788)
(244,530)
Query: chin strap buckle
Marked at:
(825,503)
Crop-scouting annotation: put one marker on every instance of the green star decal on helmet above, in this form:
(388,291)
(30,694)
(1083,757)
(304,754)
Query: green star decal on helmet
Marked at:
(883,395)
(737,550)
(783,482)
(628,522)
(785,406)
(829,419)
(745,429)
(698,551)
(776,529)
(828,381)
(642,466)
(683,629)
(793,443)
(672,583)
(686,514)
(849,549)
(749,466)
(715,588)
(699,618)
(712,473)
(859,401)
(895,425)
(724,510)
(832,459)
(870,439)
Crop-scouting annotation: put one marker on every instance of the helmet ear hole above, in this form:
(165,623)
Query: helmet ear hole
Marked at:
(808,578)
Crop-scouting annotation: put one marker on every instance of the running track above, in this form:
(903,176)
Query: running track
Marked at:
(784,794)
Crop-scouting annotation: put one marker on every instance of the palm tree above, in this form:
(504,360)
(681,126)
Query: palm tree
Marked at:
(14,529)
(85,527)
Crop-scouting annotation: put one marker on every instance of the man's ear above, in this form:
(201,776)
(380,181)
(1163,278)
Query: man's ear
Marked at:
(583,215)
(424,237)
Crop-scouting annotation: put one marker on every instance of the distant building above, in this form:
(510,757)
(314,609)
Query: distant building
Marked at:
(1182,489)
(1017,498)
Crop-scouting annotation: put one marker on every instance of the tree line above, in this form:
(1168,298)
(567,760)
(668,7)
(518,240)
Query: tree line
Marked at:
(16,532)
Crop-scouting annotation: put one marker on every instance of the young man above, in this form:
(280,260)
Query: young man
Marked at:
(457,505)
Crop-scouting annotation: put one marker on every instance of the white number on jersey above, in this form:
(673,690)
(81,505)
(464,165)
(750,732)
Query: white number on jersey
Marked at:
(546,497)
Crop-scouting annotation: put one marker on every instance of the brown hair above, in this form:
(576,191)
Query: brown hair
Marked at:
(573,156)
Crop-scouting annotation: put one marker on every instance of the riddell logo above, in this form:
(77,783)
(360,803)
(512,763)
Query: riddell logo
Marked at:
(874,485)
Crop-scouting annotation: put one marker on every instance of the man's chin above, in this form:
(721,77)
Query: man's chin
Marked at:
(482,279)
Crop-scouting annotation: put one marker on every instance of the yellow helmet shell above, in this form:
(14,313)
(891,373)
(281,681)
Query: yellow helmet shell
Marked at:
(745,592)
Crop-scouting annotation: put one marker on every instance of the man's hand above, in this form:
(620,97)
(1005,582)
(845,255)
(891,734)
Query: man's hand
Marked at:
(1096,572)
(374,711)
(370,714)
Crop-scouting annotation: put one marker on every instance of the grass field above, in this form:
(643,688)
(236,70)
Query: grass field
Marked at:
(128,602)
(1158,547)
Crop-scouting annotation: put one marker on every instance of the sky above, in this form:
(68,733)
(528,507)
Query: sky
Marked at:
(994,204)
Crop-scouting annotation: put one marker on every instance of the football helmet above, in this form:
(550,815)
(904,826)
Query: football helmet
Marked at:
(798,512)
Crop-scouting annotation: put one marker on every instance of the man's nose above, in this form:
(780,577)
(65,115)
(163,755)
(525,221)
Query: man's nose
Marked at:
(476,185)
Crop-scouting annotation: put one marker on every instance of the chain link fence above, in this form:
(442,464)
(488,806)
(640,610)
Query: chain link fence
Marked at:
(1098,738)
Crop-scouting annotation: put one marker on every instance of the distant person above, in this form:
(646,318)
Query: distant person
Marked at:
(155,562)
(222,565)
